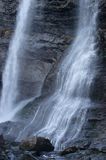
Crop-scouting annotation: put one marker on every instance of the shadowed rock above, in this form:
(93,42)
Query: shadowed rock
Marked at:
(2,141)
(38,144)
(69,150)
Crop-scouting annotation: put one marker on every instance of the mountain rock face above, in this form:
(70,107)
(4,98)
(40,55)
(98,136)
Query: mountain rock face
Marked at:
(7,21)
(52,29)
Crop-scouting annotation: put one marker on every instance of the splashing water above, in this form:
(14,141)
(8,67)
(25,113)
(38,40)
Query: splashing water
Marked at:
(10,76)
(62,116)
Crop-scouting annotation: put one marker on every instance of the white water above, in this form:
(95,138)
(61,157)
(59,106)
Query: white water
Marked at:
(62,116)
(10,76)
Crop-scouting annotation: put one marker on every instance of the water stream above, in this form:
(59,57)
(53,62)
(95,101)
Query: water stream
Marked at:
(8,103)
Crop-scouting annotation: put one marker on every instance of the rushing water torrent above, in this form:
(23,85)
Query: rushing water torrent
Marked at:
(9,95)
(62,115)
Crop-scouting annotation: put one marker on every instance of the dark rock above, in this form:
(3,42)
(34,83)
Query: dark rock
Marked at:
(69,150)
(38,144)
(2,141)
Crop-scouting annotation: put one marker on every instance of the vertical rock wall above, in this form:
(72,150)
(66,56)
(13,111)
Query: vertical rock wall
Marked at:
(51,31)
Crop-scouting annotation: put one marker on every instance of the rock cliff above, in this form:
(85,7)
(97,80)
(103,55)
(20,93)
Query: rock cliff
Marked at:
(52,31)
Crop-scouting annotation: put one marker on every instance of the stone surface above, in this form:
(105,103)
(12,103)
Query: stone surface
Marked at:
(69,150)
(45,46)
(2,141)
(38,144)
(51,31)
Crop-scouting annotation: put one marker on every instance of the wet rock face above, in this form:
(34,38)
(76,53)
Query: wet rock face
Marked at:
(51,26)
(100,82)
(7,20)
(98,88)
(52,30)
(10,130)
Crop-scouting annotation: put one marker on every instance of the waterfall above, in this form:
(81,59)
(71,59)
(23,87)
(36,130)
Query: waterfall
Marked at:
(62,115)
(10,76)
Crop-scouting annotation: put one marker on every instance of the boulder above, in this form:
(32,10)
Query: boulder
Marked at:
(38,144)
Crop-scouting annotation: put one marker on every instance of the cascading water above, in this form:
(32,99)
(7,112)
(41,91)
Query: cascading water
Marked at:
(10,75)
(62,116)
